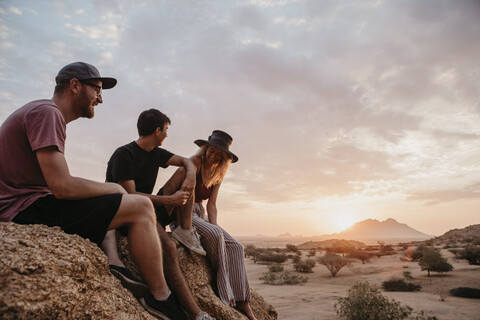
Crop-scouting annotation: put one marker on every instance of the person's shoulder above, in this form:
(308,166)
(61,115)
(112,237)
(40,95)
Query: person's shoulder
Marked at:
(43,105)
(161,150)
(41,109)
(126,148)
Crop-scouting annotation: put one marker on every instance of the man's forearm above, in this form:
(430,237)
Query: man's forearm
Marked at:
(80,188)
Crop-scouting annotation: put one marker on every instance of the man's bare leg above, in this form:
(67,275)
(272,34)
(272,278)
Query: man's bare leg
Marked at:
(174,275)
(138,214)
(109,246)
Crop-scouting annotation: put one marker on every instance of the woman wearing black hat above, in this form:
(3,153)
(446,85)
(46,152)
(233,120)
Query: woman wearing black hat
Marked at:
(224,253)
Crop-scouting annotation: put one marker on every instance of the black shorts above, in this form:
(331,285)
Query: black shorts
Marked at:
(89,218)
(163,218)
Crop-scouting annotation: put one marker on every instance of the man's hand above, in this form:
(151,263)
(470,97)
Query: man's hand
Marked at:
(188,184)
(179,198)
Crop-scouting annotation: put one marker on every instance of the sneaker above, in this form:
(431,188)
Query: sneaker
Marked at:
(166,310)
(190,239)
(127,279)
(203,316)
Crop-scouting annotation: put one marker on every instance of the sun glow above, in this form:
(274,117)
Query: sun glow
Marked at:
(343,220)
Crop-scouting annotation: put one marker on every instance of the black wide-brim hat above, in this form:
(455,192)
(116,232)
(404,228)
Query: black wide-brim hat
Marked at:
(221,140)
(83,71)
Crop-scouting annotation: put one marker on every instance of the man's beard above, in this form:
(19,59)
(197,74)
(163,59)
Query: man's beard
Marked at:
(86,109)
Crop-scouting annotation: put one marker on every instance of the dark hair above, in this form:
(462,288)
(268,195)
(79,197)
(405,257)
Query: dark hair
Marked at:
(61,87)
(150,120)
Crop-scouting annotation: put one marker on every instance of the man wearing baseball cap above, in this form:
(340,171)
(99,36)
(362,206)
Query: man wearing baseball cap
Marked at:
(36,186)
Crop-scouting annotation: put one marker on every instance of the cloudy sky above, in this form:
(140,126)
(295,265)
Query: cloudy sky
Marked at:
(340,110)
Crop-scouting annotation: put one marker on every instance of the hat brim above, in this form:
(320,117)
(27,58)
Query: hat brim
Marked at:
(201,142)
(107,83)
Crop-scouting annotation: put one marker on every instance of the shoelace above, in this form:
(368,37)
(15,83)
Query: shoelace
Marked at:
(195,234)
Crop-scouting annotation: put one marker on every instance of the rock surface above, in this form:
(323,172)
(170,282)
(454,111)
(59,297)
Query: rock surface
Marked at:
(198,275)
(47,274)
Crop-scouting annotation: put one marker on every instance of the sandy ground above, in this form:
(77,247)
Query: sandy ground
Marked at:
(315,299)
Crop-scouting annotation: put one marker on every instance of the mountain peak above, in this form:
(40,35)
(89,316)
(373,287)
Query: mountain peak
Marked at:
(389,228)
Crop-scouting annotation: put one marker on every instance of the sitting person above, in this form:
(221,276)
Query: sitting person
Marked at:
(36,186)
(224,253)
(135,167)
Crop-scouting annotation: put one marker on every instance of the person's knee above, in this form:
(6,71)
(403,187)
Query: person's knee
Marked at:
(144,211)
(169,248)
(238,246)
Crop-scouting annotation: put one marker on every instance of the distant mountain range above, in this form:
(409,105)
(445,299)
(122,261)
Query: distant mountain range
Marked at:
(372,229)
(369,232)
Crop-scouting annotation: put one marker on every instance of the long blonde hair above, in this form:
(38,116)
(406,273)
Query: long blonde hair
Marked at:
(214,176)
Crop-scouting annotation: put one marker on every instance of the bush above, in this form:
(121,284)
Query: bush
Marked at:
(291,248)
(272,257)
(361,255)
(417,254)
(296,259)
(364,302)
(400,285)
(466,292)
(407,274)
(423,316)
(276,267)
(334,263)
(432,260)
(471,254)
(285,277)
(293,278)
(304,266)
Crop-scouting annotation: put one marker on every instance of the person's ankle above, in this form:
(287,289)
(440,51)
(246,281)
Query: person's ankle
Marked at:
(162,296)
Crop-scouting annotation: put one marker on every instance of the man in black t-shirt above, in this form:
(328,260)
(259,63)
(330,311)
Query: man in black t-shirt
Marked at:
(135,167)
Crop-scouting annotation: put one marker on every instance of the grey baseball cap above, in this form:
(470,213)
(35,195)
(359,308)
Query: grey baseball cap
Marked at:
(83,71)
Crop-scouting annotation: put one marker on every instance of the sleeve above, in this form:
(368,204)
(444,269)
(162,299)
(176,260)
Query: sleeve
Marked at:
(122,165)
(163,157)
(45,127)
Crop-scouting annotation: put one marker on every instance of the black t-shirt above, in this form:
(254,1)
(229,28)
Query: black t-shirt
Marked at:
(130,162)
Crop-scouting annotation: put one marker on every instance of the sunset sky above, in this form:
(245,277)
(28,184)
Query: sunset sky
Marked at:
(340,110)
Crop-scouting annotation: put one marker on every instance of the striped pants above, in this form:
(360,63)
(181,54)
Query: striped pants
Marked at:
(226,257)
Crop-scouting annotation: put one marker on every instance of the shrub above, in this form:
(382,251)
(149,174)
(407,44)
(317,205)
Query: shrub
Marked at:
(417,254)
(311,252)
(361,255)
(293,278)
(272,257)
(432,260)
(466,292)
(400,285)
(407,274)
(270,277)
(334,263)
(291,248)
(471,254)
(251,251)
(304,266)
(423,316)
(364,302)
(296,259)
(285,277)
(276,267)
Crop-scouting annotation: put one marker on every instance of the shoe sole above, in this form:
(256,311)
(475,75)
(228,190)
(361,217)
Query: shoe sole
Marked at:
(202,253)
(152,311)
(136,288)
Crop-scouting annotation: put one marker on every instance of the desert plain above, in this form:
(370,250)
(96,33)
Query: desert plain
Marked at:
(315,299)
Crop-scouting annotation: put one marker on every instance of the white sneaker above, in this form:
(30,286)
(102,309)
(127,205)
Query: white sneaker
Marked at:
(190,239)
(203,316)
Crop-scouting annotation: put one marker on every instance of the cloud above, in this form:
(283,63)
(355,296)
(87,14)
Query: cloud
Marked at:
(430,198)
(323,98)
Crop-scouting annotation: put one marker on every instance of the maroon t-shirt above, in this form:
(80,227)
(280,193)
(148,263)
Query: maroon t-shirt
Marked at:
(36,125)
